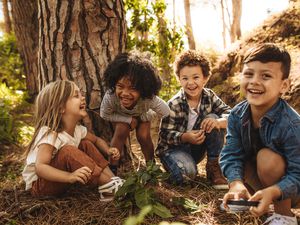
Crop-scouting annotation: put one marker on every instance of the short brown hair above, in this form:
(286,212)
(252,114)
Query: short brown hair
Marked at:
(269,52)
(192,58)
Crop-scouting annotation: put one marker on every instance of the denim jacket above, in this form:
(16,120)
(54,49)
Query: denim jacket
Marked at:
(279,130)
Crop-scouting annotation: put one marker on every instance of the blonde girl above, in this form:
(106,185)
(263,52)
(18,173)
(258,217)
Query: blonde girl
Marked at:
(62,152)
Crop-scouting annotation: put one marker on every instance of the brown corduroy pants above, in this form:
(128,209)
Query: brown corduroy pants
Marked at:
(70,158)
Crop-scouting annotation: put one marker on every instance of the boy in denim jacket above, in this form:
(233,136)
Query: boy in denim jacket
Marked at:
(196,124)
(261,159)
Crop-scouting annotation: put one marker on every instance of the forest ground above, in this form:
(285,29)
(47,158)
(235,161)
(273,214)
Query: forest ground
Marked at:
(82,206)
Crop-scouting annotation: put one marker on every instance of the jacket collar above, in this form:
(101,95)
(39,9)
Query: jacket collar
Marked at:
(271,115)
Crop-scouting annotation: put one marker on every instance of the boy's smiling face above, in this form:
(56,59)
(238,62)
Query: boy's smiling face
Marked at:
(262,84)
(192,80)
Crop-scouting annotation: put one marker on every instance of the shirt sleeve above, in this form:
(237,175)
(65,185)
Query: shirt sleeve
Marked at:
(82,131)
(169,131)
(158,107)
(219,107)
(232,155)
(290,183)
(108,110)
(48,137)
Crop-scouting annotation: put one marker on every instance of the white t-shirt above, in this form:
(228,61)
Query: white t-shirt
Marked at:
(63,138)
(193,115)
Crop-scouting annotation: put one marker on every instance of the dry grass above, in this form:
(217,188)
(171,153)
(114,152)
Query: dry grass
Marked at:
(82,206)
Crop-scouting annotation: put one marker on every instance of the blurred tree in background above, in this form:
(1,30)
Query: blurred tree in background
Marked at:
(149,30)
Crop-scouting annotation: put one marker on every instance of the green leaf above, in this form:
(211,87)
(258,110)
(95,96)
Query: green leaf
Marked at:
(145,178)
(188,204)
(128,187)
(143,197)
(161,211)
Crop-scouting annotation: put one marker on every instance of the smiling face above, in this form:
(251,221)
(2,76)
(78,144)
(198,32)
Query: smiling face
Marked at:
(262,84)
(127,93)
(192,80)
(75,108)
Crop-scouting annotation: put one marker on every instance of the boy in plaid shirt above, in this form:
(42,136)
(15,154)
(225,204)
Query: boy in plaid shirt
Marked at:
(196,124)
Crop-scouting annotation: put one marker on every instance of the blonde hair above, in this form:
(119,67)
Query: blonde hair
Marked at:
(49,105)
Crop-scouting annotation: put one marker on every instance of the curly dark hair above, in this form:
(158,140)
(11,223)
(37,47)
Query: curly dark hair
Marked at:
(192,58)
(137,66)
(269,52)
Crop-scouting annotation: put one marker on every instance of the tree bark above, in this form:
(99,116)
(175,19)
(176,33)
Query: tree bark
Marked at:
(24,14)
(235,29)
(188,21)
(6,15)
(77,40)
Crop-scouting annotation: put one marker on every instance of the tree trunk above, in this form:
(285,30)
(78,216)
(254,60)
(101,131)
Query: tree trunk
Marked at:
(6,15)
(235,30)
(24,14)
(77,39)
(188,21)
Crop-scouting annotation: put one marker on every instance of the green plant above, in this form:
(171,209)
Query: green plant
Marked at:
(9,100)
(137,190)
(11,65)
(189,205)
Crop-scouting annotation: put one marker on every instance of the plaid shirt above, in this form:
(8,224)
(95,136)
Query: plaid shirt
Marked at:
(174,125)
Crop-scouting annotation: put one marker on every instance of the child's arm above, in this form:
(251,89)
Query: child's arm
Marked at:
(158,107)
(219,107)
(103,146)
(44,170)
(232,161)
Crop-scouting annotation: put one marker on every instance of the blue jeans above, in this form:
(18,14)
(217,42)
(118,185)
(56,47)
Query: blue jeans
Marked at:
(181,161)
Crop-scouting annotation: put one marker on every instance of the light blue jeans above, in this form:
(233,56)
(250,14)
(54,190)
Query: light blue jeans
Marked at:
(181,161)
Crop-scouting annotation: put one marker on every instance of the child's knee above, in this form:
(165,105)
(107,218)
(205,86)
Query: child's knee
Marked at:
(67,150)
(85,144)
(270,163)
(212,115)
(179,171)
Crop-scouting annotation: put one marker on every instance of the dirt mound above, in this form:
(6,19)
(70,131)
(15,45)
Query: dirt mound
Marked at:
(283,29)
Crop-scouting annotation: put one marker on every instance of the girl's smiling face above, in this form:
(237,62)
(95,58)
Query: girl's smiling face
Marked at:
(127,93)
(75,107)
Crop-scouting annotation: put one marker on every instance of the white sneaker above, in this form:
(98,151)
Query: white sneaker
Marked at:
(110,189)
(277,219)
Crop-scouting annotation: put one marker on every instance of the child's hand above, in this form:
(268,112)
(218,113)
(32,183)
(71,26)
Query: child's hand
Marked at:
(209,124)
(81,175)
(265,198)
(237,190)
(114,153)
(195,137)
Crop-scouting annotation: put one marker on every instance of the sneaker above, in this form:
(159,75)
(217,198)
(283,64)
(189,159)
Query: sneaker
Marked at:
(108,190)
(214,175)
(277,219)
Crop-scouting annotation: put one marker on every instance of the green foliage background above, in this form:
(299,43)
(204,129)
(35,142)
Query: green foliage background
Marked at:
(12,94)
(149,30)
